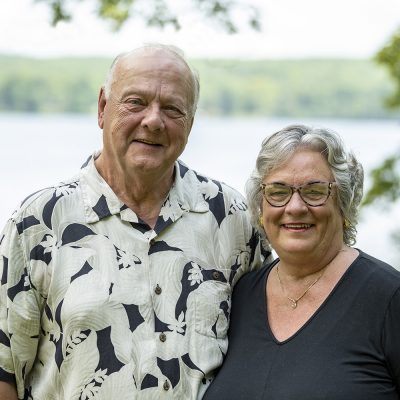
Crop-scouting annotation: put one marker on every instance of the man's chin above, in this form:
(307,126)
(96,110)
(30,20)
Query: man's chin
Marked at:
(148,165)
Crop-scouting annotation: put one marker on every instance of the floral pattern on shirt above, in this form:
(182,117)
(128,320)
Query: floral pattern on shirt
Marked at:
(94,304)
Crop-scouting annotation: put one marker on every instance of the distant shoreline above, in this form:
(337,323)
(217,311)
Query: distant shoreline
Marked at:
(321,88)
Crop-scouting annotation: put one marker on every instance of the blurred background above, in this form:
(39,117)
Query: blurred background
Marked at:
(263,64)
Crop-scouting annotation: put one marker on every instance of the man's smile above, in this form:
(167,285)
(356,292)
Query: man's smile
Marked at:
(145,141)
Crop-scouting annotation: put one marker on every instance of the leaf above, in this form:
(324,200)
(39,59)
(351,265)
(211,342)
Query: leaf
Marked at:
(389,57)
(385,182)
(119,11)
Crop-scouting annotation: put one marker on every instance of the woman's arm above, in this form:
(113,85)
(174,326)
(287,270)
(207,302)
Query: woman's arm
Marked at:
(390,341)
(8,391)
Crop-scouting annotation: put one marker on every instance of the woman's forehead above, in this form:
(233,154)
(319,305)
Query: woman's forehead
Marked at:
(301,167)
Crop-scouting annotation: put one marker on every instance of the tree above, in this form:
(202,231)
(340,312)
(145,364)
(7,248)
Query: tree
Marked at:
(385,182)
(386,177)
(160,14)
(389,56)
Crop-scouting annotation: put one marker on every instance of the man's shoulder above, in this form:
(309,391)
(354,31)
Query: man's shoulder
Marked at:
(193,177)
(206,193)
(36,202)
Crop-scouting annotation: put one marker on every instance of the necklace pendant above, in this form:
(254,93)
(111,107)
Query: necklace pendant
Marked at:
(293,302)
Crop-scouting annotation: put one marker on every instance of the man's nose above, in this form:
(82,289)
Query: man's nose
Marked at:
(153,118)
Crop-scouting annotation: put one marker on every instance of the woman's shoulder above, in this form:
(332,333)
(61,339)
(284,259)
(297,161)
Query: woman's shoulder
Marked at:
(379,270)
(378,265)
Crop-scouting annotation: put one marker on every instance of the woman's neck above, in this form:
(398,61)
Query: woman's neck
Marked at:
(297,268)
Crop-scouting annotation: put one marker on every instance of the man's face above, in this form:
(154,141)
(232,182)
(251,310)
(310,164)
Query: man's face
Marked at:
(147,118)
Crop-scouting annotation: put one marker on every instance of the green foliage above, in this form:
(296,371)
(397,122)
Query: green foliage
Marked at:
(386,177)
(115,10)
(52,85)
(389,57)
(284,88)
(160,14)
(385,182)
(385,189)
(293,88)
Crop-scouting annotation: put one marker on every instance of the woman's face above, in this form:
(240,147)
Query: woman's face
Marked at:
(296,231)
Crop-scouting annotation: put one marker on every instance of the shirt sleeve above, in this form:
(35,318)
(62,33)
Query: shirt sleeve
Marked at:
(390,338)
(19,311)
(256,251)
(258,248)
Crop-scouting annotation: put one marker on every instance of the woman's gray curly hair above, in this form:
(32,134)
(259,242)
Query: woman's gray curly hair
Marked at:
(347,171)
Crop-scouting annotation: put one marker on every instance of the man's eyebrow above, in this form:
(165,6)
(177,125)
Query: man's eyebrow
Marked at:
(133,91)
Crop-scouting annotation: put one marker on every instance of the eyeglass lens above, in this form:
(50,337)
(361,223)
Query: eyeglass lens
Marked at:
(314,194)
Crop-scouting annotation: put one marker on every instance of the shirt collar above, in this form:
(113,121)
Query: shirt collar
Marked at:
(100,201)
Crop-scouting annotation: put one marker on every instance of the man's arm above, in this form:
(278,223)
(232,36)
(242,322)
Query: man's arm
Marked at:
(17,310)
(8,391)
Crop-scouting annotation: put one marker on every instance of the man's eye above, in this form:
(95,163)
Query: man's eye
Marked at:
(136,102)
(173,110)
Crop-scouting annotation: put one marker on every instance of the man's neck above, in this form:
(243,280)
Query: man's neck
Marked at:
(144,193)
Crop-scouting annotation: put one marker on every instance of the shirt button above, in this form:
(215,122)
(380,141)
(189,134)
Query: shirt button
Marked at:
(166,385)
(163,337)
(158,290)
(215,275)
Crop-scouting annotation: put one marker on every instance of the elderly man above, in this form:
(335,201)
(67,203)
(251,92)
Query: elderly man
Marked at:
(116,284)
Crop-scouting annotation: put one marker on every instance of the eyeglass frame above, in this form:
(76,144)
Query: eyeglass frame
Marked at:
(297,189)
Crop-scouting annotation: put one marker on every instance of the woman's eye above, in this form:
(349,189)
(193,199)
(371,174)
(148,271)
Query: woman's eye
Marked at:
(279,193)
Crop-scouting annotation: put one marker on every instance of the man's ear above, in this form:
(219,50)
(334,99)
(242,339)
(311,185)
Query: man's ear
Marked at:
(191,124)
(101,104)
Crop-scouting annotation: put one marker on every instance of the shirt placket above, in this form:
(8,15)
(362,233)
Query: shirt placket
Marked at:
(157,292)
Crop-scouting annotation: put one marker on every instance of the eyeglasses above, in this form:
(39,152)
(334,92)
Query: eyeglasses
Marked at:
(313,194)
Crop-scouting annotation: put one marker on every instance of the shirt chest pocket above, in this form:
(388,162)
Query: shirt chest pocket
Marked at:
(212,304)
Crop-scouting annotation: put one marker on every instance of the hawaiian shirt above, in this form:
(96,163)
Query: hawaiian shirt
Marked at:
(94,304)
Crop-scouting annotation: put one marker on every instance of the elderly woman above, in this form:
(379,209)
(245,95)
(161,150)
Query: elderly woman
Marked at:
(322,321)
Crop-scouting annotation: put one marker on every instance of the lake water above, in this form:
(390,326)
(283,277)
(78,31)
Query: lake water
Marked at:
(39,150)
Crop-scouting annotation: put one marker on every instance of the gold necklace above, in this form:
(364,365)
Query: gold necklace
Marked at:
(295,301)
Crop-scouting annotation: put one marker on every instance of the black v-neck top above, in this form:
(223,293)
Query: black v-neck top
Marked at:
(348,350)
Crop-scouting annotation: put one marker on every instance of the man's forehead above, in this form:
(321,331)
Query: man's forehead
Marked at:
(153,64)
(147,58)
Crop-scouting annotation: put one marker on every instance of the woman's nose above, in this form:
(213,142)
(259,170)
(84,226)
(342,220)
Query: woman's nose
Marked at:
(296,203)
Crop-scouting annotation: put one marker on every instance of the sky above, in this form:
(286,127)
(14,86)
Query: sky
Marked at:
(291,29)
